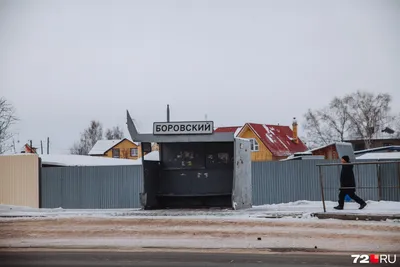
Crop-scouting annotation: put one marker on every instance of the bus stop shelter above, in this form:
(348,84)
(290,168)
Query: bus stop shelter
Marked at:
(198,168)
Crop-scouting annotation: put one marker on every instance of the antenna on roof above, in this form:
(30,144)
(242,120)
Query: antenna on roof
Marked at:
(205,117)
(168,113)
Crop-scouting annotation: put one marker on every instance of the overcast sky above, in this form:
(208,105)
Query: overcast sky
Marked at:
(64,63)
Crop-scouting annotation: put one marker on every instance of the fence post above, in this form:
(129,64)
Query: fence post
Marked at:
(378,168)
(398,180)
(322,187)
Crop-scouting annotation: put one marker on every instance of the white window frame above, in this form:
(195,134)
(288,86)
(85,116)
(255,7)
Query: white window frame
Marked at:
(134,149)
(254,146)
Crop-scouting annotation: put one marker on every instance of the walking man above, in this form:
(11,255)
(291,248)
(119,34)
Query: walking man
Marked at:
(348,185)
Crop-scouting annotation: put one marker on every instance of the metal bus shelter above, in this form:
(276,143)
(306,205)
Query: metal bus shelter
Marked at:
(197,167)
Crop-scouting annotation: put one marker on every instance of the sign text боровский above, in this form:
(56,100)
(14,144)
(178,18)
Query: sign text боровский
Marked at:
(184,127)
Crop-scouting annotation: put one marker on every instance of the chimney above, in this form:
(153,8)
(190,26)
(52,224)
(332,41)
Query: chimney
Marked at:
(294,125)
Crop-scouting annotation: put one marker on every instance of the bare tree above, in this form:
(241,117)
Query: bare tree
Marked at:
(359,115)
(369,114)
(88,138)
(7,119)
(114,133)
(397,126)
(327,125)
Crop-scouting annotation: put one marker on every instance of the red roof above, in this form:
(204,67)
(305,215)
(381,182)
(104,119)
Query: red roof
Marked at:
(230,129)
(278,139)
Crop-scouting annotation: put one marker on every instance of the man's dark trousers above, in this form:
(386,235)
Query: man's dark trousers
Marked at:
(351,193)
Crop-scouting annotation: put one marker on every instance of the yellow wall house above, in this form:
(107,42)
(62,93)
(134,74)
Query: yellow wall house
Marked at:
(269,142)
(120,148)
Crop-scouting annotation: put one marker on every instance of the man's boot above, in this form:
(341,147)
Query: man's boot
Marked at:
(362,206)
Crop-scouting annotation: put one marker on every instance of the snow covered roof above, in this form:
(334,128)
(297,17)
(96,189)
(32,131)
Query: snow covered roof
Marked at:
(304,157)
(81,160)
(278,139)
(388,155)
(102,146)
(383,148)
(153,156)
(337,143)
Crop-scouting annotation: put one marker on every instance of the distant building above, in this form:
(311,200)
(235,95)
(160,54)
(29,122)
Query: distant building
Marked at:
(334,151)
(28,149)
(229,129)
(120,148)
(269,142)
(375,143)
(386,137)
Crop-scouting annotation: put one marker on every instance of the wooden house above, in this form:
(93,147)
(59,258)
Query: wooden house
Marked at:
(269,142)
(119,148)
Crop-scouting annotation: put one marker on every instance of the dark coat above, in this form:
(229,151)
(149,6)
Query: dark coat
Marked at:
(347,177)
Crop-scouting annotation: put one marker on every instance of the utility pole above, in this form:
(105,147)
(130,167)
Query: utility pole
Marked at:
(14,146)
(41,147)
(48,145)
(168,113)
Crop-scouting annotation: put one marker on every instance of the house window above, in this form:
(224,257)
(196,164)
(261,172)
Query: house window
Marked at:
(253,144)
(115,153)
(134,152)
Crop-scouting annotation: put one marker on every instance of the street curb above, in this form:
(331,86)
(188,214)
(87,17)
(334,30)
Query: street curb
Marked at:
(116,248)
(357,217)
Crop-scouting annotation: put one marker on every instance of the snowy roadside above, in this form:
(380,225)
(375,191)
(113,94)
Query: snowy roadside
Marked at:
(298,209)
(251,229)
(194,232)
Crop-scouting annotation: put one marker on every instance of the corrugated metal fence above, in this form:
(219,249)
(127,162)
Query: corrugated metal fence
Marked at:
(97,187)
(390,179)
(281,182)
(272,182)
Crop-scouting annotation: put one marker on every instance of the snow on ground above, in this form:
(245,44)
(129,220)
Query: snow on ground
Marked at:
(199,229)
(300,209)
(373,207)
(199,233)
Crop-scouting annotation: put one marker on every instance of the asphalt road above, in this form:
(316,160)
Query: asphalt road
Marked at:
(163,259)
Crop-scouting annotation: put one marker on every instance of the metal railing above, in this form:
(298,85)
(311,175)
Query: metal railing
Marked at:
(379,187)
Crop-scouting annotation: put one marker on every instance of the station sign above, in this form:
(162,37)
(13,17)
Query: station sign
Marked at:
(183,127)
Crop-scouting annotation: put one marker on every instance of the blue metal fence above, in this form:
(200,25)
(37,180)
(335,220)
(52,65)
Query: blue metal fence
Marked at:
(97,187)
(281,182)
(272,182)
